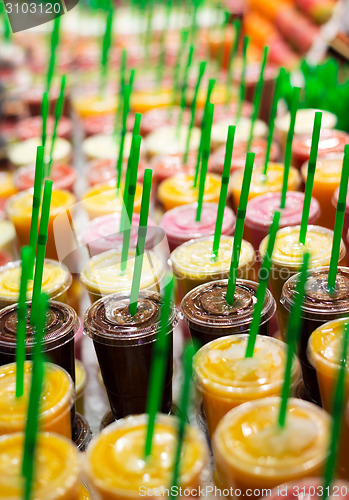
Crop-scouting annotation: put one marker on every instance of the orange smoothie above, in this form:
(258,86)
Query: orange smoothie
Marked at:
(178,190)
(57,397)
(326,181)
(260,185)
(252,452)
(7,186)
(226,379)
(19,211)
(104,199)
(89,105)
(115,464)
(57,468)
(147,99)
(324,353)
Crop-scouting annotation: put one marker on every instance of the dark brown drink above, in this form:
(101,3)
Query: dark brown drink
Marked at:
(209,316)
(319,306)
(124,347)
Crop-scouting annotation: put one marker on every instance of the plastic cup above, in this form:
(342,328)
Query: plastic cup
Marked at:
(304,123)
(56,281)
(102,234)
(82,434)
(346,220)
(253,453)
(223,112)
(58,342)
(105,147)
(104,199)
(327,179)
(103,275)
(19,211)
(260,185)
(258,147)
(159,117)
(57,399)
(32,126)
(84,493)
(167,166)
(57,462)
(331,142)
(113,476)
(324,352)
(226,379)
(180,225)
(7,238)
(24,152)
(62,175)
(193,265)
(209,316)
(124,346)
(166,141)
(178,190)
(318,307)
(220,131)
(104,172)
(309,487)
(288,256)
(260,211)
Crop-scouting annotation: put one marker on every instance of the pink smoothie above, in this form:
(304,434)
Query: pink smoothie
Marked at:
(309,489)
(32,126)
(168,166)
(258,147)
(62,175)
(102,234)
(103,124)
(260,211)
(331,141)
(104,171)
(346,221)
(159,117)
(180,226)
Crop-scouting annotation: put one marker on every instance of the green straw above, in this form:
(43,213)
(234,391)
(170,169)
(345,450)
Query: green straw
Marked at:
(142,233)
(202,68)
(106,48)
(44,114)
(239,228)
(131,188)
(162,53)
(193,29)
(310,177)
(184,402)
(6,23)
(41,250)
(223,36)
(54,44)
(125,111)
(210,87)
(338,409)
(27,259)
(158,366)
(176,69)
(149,28)
(262,287)
(58,114)
(118,114)
(39,176)
(288,151)
(135,132)
(257,96)
(242,80)
(232,59)
(224,191)
(183,102)
(338,225)
(293,332)
(273,112)
(205,157)
(30,439)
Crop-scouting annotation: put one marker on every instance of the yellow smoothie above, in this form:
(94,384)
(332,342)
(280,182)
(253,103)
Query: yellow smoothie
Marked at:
(178,190)
(57,468)
(103,199)
(327,179)
(252,452)
(7,237)
(19,211)
(103,275)
(57,397)
(260,185)
(220,131)
(226,379)
(56,281)
(90,105)
(84,494)
(166,141)
(24,152)
(145,100)
(288,256)
(115,464)
(105,147)
(7,186)
(193,265)
(325,348)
